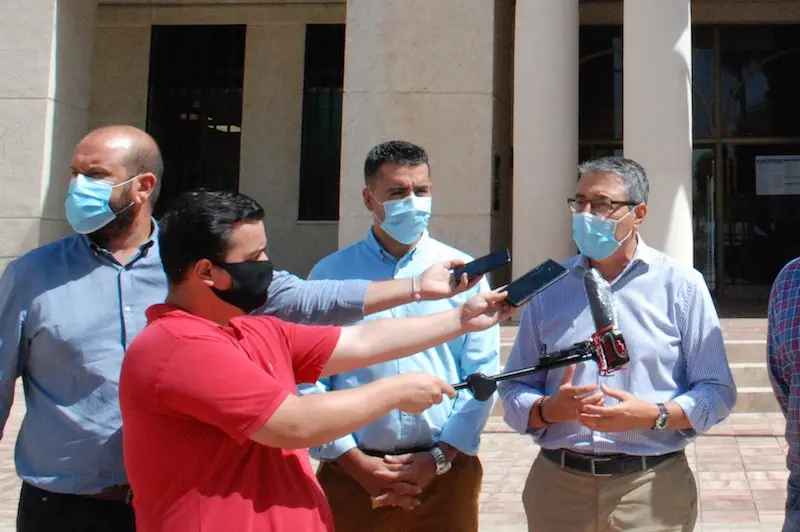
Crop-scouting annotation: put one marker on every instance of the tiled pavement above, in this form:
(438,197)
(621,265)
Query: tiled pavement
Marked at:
(740,467)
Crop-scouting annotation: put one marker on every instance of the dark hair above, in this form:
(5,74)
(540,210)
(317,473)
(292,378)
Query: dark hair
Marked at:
(198,226)
(394,152)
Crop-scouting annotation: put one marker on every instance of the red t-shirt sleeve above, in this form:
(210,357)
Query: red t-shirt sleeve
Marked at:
(214,381)
(311,347)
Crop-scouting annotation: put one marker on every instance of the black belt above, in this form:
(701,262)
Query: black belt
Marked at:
(396,452)
(603,466)
(119,493)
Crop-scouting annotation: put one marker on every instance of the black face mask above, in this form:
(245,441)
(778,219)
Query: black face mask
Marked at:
(249,284)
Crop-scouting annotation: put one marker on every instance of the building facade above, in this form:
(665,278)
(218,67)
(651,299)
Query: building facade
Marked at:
(283,99)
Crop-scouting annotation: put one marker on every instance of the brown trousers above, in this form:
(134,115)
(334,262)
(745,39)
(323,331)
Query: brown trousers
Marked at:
(450,502)
(663,499)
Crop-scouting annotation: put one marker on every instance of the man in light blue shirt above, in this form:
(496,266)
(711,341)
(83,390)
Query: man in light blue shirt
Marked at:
(612,447)
(68,311)
(427,462)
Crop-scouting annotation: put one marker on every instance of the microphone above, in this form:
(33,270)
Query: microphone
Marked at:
(599,293)
(612,352)
(606,346)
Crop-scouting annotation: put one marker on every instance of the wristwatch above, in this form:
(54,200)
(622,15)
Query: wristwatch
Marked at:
(662,420)
(443,465)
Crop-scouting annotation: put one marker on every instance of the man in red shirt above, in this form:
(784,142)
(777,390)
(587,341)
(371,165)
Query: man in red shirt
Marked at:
(215,436)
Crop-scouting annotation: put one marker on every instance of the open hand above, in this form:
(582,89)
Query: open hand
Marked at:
(437,281)
(483,310)
(630,413)
(566,404)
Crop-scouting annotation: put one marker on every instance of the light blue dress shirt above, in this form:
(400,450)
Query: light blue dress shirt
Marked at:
(666,314)
(457,422)
(68,311)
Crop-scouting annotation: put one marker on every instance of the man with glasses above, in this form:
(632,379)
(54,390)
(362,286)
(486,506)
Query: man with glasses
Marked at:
(613,448)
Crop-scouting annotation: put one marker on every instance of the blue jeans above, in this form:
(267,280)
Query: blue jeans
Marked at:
(792,521)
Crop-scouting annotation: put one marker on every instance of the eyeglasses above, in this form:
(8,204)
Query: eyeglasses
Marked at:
(601,207)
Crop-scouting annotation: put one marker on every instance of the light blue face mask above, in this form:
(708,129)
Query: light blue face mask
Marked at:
(88,203)
(594,235)
(407,218)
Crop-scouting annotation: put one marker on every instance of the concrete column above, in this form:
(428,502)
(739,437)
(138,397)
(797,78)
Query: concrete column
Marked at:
(422,71)
(546,58)
(657,54)
(45,53)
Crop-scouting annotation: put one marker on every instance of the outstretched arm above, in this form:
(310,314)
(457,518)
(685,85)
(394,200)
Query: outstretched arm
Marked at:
(329,302)
(382,340)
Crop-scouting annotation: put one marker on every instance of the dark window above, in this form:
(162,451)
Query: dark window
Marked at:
(704,92)
(600,83)
(759,70)
(194,108)
(321,143)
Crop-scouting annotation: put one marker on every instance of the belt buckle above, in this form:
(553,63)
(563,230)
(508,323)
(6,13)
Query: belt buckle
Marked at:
(594,471)
(129,496)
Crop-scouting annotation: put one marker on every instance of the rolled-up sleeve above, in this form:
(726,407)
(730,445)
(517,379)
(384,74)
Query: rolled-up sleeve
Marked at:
(480,354)
(12,345)
(315,302)
(711,392)
(519,395)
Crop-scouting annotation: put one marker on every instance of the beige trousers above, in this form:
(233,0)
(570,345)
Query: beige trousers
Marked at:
(662,499)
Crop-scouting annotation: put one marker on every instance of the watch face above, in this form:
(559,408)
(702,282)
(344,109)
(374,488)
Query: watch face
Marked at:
(661,421)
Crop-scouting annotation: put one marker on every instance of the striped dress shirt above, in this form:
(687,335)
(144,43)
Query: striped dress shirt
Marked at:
(671,328)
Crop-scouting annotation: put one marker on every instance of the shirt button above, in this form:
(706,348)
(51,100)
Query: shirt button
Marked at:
(127,309)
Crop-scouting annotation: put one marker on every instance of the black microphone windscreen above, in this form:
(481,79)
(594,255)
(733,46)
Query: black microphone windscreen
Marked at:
(599,293)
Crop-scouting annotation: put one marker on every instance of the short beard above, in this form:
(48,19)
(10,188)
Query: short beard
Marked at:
(119,226)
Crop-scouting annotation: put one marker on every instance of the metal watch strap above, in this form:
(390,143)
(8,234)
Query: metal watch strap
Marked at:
(663,417)
(442,464)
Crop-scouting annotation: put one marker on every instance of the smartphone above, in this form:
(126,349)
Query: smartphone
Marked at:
(521,290)
(483,265)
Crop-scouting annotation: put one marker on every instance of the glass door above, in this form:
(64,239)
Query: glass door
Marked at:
(704,207)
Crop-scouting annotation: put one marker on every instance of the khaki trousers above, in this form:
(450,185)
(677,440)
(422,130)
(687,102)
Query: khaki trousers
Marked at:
(662,499)
(449,503)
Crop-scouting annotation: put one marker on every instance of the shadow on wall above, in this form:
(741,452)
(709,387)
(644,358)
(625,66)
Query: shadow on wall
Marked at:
(67,115)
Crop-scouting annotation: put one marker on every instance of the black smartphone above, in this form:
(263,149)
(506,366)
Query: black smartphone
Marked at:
(483,265)
(521,290)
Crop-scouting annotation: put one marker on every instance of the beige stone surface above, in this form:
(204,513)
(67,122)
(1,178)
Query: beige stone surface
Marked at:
(657,117)
(545,131)
(271,132)
(445,46)
(120,69)
(429,80)
(45,49)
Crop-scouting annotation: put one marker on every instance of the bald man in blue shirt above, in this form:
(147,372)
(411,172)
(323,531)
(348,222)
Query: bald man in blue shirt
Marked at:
(68,311)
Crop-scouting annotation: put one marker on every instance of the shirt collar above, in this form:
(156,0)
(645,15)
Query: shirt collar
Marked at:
(375,247)
(144,249)
(169,310)
(644,254)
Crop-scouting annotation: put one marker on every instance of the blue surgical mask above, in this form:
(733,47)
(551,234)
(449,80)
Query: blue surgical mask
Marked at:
(595,235)
(407,218)
(88,203)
